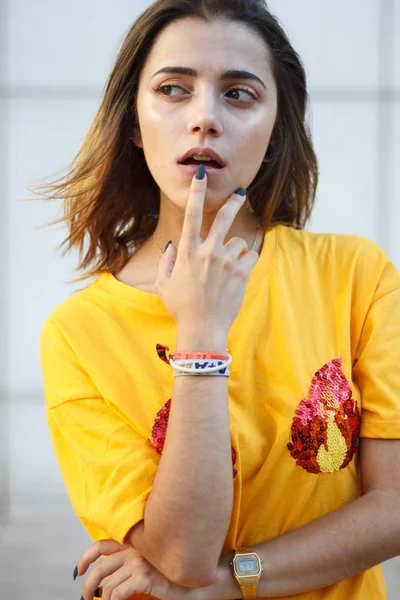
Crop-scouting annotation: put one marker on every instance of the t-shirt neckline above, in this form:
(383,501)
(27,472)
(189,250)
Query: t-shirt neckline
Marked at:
(153,302)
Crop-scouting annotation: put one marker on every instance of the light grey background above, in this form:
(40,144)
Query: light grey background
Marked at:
(54,61)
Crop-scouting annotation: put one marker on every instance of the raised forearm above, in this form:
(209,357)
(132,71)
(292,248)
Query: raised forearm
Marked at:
(189,509)
(332,548)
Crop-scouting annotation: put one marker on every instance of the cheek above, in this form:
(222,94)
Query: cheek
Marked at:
(255,133)
(155,143)
(158,116)
(159,139)
(253,147)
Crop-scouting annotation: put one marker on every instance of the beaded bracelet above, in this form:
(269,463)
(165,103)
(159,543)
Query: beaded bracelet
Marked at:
(199,367)
(184,355)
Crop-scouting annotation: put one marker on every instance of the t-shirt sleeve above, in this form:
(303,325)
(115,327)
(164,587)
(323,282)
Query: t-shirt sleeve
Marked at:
(107,466)
(377,366)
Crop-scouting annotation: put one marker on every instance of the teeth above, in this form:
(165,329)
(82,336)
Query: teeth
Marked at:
(198,157)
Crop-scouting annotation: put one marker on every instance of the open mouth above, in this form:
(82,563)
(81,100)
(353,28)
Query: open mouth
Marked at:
(207,163)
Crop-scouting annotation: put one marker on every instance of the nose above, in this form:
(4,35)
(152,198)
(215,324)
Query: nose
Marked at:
(204,115)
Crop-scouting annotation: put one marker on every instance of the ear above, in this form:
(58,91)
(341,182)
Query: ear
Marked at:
(137,138)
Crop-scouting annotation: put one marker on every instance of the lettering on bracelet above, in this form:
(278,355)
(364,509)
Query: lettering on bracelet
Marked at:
(326,428)
(204,364)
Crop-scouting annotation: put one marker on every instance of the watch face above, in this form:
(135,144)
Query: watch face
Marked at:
(247,565)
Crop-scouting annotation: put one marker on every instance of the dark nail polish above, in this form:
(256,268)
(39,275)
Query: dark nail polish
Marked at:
(82,598)
(200,172)
(99,592)
(241,191)
(170,242)
(75,573)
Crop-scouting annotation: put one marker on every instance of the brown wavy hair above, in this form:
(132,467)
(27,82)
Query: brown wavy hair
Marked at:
(110,199)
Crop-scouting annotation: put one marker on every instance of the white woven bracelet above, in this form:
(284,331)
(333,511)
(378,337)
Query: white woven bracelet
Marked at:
(200,371)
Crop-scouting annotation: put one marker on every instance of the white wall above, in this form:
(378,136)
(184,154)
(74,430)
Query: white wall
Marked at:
(58,59)
(57,65)
(54,61)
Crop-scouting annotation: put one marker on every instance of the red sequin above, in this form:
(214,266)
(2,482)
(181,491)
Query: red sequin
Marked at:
(326,428)
(234,456)
(159,432)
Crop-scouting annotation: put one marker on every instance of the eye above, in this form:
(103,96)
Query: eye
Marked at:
(166,90)
(246,91)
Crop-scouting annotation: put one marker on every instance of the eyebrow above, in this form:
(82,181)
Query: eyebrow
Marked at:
(232,74)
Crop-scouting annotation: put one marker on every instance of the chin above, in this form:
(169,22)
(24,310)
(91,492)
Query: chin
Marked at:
(212,202)
(213,205)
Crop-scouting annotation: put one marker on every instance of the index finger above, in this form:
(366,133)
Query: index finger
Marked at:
(98,549)
(194,211)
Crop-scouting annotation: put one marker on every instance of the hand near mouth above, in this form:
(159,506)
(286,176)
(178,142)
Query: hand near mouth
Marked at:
(203,282)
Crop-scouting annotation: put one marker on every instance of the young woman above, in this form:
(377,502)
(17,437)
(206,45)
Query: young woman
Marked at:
(225,414)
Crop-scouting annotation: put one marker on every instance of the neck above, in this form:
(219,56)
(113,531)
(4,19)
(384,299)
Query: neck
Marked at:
(170,225)
(141,269)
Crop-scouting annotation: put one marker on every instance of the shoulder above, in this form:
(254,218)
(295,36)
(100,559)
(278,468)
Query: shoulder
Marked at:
(75,312)
(335,248)
(351,261)
(327,244)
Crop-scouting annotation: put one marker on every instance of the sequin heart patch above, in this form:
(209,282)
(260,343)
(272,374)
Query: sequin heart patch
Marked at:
(326,428)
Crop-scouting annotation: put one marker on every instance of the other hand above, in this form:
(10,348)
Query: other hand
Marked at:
(128,573)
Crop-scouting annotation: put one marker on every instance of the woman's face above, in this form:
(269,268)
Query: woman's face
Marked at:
(231,114)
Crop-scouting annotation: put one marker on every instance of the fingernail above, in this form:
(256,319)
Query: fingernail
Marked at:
(165,249)
(98,593)
(241,191)
(200,172)
(75,572)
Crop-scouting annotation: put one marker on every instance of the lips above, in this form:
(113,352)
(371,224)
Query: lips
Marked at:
(211,169)
(203,152)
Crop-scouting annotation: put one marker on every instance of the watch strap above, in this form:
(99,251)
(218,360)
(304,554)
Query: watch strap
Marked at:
(249,592)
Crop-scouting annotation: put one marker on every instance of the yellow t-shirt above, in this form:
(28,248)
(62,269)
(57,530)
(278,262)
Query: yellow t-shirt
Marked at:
(316,357)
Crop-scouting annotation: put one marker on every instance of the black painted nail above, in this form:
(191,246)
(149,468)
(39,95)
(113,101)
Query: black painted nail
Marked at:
(82,598)
(75,572)
(99,592)
(170,242)
(200,172)
(241,191)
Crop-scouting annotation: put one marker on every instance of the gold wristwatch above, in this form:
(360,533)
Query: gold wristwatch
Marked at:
(247,568)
